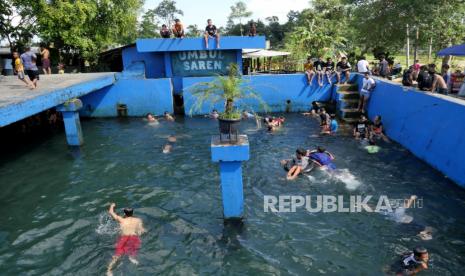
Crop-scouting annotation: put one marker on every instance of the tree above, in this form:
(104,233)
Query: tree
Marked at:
(17,22)
(193,31)
(167,11)
(320,30)
(88,27)
(239,11)
(148,27)
(382,23)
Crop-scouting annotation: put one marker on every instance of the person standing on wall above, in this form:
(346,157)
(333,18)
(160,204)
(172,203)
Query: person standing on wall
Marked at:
(367,87)
(211,32)
(28,58)
(165,32)
(253,29)
(362,65)
(178,29)
(383,67)
(45,53)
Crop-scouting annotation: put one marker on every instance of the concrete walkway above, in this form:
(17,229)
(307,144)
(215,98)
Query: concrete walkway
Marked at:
(17,101)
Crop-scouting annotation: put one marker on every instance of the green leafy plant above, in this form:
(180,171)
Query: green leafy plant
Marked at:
(228,89)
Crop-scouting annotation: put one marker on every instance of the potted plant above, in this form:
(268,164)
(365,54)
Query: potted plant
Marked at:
(229,90)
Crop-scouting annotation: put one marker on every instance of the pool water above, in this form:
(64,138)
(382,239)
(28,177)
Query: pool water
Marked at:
(54,201)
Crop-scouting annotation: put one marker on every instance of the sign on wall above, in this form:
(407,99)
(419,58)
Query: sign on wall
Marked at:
(201,63)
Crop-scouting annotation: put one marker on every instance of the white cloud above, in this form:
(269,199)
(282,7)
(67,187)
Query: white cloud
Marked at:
(264,8)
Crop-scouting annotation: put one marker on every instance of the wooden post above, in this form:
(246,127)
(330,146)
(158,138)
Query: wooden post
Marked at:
(417,37)
(408,48)
(430,49)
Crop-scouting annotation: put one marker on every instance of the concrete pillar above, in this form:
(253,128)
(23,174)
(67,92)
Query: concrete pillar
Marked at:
(71,120)
(230,157)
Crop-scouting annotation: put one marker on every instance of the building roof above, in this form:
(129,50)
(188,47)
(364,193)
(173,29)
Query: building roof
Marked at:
(253,53)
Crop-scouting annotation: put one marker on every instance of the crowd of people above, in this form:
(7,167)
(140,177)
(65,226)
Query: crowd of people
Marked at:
(25,65)
(327,70)
(429,78)
(178,31)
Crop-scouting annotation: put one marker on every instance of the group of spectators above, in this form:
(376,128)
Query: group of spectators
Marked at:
(25,64)
(428,78)
(177,31)
(327,69)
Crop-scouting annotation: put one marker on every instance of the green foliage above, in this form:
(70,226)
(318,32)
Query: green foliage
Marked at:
(167,11)
(148,27)
(382,23)
(193,31)
(88,26)
(18,33)
(320,30)
(239,11)
(225,89)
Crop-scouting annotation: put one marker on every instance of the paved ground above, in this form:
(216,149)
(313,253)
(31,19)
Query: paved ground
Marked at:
(13,91)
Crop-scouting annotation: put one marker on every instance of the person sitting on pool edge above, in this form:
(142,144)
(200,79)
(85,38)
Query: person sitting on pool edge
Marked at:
(309,73)
(178,29)
(322,158)
(297,165)
(168,116)
(361,130)
(211,32)
(414,262)
(129,242)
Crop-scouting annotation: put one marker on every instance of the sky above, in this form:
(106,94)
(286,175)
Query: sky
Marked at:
(198,11)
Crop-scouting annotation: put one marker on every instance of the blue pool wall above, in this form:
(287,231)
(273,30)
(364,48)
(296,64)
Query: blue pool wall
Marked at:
(274,90)
(431,126)
(139,94)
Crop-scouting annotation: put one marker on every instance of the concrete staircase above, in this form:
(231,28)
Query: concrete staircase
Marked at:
(347,97)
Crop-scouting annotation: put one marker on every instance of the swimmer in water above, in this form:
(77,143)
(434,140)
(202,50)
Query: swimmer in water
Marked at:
(322,158)
(151,118)
(297,165)
(274,123)
(214,114)
(168,147)
(426,234)
(325,121)
(128,242)
(414,262)
(399,212)
(247,115)
(168,116)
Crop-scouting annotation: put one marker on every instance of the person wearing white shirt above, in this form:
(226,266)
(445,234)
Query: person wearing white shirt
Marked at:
(367,87)
(362,65)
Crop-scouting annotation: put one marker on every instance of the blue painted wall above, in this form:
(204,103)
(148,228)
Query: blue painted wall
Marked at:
(274,90)
(198,43)
(140,95)
(154,62)
(431,126)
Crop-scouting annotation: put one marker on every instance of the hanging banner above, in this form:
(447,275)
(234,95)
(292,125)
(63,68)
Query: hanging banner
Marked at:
(202,63)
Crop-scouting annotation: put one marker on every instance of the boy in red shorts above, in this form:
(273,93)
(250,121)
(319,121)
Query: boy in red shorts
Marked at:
(129,241)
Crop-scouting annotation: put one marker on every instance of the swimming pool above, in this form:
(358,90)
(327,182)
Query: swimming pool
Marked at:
(54,203)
